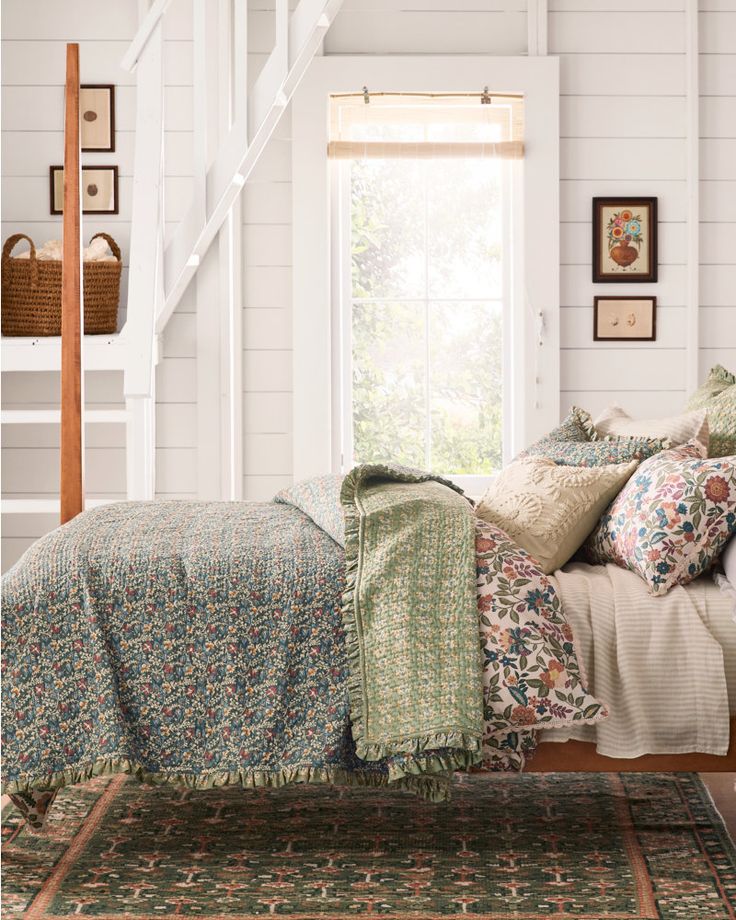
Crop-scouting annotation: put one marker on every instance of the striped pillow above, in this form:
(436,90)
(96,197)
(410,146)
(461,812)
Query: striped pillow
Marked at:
(677,429)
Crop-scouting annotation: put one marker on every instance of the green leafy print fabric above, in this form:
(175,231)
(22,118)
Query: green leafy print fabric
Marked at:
(531,676)
(410,615)
(672,518)
(319,499)
(718,396)
(575,442)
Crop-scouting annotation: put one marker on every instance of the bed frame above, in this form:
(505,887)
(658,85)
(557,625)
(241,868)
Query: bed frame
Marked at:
(571,756)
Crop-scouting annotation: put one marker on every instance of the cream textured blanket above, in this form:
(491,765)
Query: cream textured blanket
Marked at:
(657,663)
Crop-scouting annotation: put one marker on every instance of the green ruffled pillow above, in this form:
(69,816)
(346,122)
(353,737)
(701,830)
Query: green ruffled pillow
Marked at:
(718,396)
(575,442)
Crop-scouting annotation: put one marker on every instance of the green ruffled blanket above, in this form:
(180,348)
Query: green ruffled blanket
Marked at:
(411,616)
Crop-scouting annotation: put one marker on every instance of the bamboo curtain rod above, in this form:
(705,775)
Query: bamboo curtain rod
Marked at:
(71,476)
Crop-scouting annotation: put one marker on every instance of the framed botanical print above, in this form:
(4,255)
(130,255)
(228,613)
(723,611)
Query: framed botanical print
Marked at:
(97,117)
(624,239)
(625,319)
(99,189)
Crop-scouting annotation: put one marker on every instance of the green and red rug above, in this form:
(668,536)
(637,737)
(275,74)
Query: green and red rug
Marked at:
(589,847)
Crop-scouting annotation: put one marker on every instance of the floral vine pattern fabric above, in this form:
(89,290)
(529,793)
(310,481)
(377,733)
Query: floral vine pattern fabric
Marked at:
(575,442)
(531,675)
(319,499)
(671,520)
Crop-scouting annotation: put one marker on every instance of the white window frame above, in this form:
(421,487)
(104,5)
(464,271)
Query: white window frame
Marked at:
(534,333)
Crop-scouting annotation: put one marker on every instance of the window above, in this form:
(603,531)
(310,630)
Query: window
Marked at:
(324,149)
(423,190)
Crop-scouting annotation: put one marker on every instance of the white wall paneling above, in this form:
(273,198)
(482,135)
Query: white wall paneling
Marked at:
(34,34)
(625,76)
(717,174)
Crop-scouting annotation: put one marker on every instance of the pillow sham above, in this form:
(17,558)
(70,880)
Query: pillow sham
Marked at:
(671,520)
(319,499)
(575,442)
(718,396)
(550,509)
(677,429)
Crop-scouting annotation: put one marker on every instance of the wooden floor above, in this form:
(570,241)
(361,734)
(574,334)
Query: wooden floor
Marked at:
(721,788)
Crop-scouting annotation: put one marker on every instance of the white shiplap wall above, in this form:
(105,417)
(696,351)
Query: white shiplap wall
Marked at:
(34,33)
(623,132)
(717,29)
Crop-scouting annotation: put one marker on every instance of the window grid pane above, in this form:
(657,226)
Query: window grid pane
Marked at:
(427,352)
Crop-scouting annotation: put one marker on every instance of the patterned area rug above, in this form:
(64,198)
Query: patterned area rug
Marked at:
(597,847)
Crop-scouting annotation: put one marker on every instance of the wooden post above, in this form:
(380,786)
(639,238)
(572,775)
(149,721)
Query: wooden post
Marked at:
(71,494)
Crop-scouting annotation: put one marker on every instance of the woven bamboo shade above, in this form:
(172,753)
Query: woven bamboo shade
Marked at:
(426,126)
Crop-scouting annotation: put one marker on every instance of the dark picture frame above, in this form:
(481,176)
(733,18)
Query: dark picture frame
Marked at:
(621,314)
(624,230)
(89,115)
(56,189)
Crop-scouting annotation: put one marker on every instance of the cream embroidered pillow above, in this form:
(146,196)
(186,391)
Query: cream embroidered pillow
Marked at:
(677,429)
(548,509)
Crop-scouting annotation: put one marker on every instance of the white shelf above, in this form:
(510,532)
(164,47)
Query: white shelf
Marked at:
(53,416)
(99,353)
(47,505)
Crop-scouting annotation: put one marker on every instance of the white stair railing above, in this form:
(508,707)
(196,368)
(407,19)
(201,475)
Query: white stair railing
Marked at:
(145,279)
(298,38)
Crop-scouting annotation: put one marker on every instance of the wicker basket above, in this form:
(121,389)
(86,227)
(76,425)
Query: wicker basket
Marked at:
(31,290)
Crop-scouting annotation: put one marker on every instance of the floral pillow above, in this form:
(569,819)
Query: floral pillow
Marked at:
(575,442)
(672,518)
(531,677)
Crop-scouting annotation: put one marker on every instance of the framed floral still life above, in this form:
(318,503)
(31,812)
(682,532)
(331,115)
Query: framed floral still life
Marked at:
(624,319)
(624,239)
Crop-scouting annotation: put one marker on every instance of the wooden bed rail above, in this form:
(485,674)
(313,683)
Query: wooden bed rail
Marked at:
(71,489)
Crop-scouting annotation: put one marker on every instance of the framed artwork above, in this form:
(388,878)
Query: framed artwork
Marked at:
(624,239)
(99,189)
(97,117)
(625,319)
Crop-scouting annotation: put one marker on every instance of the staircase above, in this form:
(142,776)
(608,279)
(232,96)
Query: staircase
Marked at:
(227,145)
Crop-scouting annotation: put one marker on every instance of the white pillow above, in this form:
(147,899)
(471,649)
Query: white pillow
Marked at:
(677,429)
(727,582)
(728,561)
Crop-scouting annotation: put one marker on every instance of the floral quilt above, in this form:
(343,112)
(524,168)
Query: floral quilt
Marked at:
(531,676)
(215,643)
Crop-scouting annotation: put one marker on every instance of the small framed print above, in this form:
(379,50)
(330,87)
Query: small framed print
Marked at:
(624,239)
(625,319)
(97,117)
(99,189)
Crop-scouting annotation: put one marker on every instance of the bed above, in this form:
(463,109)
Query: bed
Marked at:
(354,632)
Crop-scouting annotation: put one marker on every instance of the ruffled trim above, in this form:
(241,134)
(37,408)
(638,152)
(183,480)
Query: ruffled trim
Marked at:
(585,421)
(412,777)
(464,749)
(719,372)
